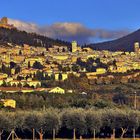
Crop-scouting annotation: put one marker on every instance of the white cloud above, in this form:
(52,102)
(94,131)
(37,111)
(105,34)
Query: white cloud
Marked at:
(69,31)
(29,27)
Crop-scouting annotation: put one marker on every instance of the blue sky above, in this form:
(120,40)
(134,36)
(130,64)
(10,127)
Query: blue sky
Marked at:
(92,14)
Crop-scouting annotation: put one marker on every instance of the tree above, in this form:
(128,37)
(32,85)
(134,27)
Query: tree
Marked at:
(60,76)
(75,120)
(60,67)
(29,65)
(72,81)
(12,65)
(120,98)
(93,122)
(108,119)
(75,68)
(52,122)
(15,121)
(3,123)
(101,104)
(40,129)
(80,62)
(39,75)
(20,77)
(4,84)
(80,103)
(31,123)
(20,52)
(52,77)
(47,77)
(38,65)
(19,85)
(26,85)
(123,119)
(6,70)
(133,121)
(66,68)
(17,69)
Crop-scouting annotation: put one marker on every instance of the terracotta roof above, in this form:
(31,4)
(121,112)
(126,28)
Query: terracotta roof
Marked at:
(14,88)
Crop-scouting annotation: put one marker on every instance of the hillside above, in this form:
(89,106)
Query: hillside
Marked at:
(15,36)
(125,43)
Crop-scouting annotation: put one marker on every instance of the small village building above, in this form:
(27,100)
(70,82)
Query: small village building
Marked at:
(9,103)
(1,82)
(57,90)
(64,76)
(3,75)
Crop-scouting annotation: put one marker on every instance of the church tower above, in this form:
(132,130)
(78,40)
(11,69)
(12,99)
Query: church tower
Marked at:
(136,47)
(74,46)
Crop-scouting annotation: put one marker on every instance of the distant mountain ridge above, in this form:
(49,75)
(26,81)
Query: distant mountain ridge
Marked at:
(125,43)
(15,36)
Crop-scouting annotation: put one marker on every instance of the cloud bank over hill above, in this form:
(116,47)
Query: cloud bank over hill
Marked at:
(69,31)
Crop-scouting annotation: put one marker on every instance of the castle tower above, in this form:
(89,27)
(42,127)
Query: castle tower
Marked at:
(136,47)
(74,46)
(4,20)
(4,23)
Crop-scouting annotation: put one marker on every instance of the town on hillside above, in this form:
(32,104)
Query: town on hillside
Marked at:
(70,70)
(26,68)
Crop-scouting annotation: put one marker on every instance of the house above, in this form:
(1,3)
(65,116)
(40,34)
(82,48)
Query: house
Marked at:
(1,82)
(32,60)
(57,90)
(9,103)
(64,76)
(27,90)
(34,83)
(83,93)
(3,75)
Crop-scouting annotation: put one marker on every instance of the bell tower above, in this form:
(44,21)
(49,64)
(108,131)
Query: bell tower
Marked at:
(74,46)
(136,47)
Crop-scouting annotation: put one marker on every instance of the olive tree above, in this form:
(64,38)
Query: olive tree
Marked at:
(121,119)
(14,121)
(133,123)
(3,123)
(31,123)
(93,121)
(108,119)
(74,119)
(51,122)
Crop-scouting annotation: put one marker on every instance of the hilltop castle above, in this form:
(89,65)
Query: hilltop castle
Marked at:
(4,23)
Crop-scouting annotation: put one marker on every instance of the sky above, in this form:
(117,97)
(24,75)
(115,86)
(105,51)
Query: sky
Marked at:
(83,20)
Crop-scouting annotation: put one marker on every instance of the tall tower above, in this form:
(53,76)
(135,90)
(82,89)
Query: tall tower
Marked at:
(4,20)
(74,46)
(136,47)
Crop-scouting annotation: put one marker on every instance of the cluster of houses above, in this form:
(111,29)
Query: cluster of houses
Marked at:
(27,61)
(26,56)
(23,68)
